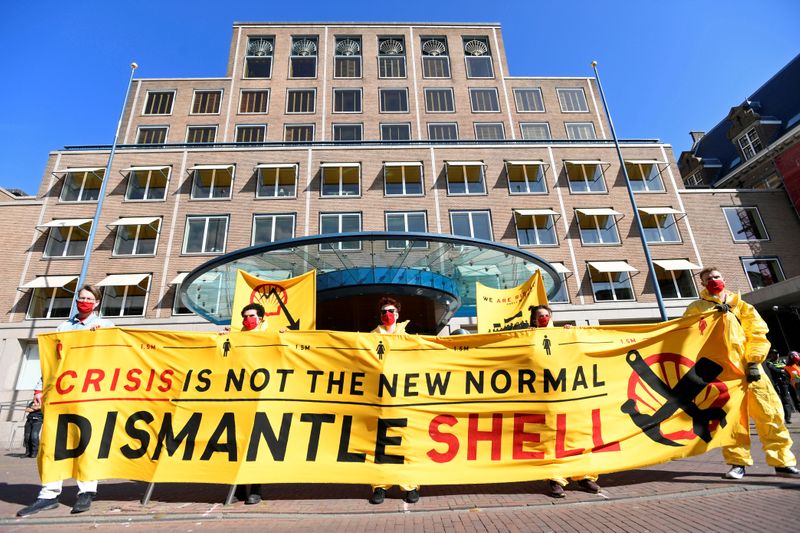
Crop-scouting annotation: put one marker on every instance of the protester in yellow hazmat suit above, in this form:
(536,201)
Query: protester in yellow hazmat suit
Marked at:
(762,402)
(542,317)
(389,313)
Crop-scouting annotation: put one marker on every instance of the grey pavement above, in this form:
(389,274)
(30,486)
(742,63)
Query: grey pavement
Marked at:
(682,495)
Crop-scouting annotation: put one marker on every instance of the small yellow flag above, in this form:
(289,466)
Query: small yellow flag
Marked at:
(507,309)
(289,303)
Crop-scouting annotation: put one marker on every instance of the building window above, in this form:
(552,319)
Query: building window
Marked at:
(694,180)
(395,132)
(562,296)
(435,61)
(67,238)
(298,133)
(585,177)
(525,177)
(659,224)
(597,226)
(415,222)
(151,135)
(484,100)
(276,181)
(136,236)
(489,131)
(402,179)
(478,57)
(178,307)
(258,61)
(272,228)
(201,134)
(254,101)
(580,131)
(535,131)
(333,223)
(762,271)
(159,103)
(439,101)
(745,224)
(535,227)
(301,100)
(347,58)
(52,302)
(465,177)
(347,100)
(212,182)
(124,300)
(749,143)
(472,224)
(206,102)
(341,179)
(675,278)
(529,100)
(443,131)
(147,183)
(82,185)
(205,235)
(644,176)
(347,132)
(572,100)
(251,134)
(393,100)
(391,58)
(303,59)
(610,286)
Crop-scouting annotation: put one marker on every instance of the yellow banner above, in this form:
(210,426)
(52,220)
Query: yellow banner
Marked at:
(507,309)
(322,406)
(289,303)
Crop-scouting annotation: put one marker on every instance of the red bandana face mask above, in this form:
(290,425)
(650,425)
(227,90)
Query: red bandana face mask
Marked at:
(250,322)
(85,307)
(542,321)
(715,286)
(388,319)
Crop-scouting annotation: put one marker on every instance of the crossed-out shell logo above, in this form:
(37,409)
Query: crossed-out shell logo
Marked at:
(673,399)
(268,294)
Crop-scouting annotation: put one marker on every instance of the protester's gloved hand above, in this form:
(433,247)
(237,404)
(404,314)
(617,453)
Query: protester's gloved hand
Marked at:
(722,308)
(752,372)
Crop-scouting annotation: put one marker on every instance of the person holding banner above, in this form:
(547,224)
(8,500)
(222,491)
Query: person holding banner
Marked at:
(389,309)
(542,317)
(85,319)
(762,402)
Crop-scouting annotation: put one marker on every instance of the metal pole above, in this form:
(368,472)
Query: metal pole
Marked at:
(636,216)
(106,178)
(777,311)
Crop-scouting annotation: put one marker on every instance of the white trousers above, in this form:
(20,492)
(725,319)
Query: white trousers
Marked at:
(53,489)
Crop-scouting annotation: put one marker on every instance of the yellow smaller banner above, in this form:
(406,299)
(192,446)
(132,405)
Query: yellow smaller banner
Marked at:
(507,309)
(288,304)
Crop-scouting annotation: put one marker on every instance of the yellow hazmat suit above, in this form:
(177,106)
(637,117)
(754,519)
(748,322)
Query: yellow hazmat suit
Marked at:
(762,402)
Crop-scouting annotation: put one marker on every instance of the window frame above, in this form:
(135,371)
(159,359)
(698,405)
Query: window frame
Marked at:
(194,101)
(176,298)
(545,124)
(82,189)
(404,182)
(405,215)
(467,57)
(340,184)
(552,230)
(263,128)
(611,284)
(661,228)
(359,56)
(174,93)
(292,56)
(336,247)
(673,279)
(597,229)
(139,130)
(472,212)
(213,187)
(586,181)
(381,90)
(355,90)
(122,314)
(765,258)
(137,240)
(401,56)
(466,182)
(454,124)
(446,55)
(538,90)
(147,188)
(572,89)
(312,90)
(405,124)
(274,217)
(213,127)
(476,125)
(306,125)
(725,210)
(751,138)
(207,218)
(542,174)
(30,366)
(51,300)
(247,56)
(442,89)
(277,169)
(473,90)
(569,132)
(359,125)
(268,98)
(644,181)
(46,254)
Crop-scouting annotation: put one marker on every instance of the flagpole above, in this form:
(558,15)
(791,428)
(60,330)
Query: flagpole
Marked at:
(645,246)
(106,178)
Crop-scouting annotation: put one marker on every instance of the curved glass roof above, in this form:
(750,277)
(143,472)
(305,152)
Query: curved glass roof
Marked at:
(447,263)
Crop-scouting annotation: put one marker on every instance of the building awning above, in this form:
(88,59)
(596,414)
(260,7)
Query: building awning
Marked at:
(340,165)
(521,163)
(478,270)
(177,280)
(612,266)
(675,264)
(212,167)
(121,280)
(584,162)
(275,165)
(402,164)
(644,162)
(134,221)
(599,212)
(65,223)
(144,169)
(78,169)
(660,211)
(464,163)
(558,267)
(49,282)
(534,212)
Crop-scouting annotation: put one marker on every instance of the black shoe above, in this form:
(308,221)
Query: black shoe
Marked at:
(41,504)
(787,471)
(589,486)
(556,490)
(83,503)
(252,499)
(378,496)
(412,496)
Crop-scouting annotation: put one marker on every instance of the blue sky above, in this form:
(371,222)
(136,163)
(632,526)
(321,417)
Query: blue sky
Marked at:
(667,67)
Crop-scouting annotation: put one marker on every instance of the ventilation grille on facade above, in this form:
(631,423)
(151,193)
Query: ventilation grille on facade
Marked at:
(476,48)
(434,47)
(304,47)
(348,47)
(391,47)
(259,47)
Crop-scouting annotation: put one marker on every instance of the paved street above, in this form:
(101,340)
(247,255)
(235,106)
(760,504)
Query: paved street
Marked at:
(685,495)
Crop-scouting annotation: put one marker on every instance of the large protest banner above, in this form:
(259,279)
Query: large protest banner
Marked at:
(288,304)
(507,309)
(322,406)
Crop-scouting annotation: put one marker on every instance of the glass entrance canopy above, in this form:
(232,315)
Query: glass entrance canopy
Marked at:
(440,268)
